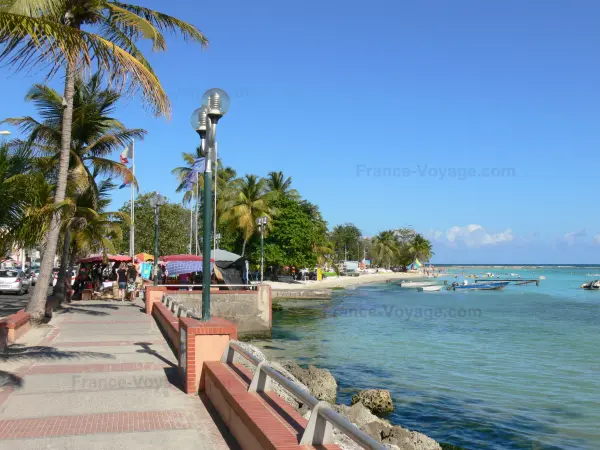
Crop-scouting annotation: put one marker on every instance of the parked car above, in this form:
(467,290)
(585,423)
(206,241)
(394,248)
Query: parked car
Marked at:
(34,276)
(55,276)
(14,281)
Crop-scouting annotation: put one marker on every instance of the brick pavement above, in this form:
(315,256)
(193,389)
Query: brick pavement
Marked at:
(101,376)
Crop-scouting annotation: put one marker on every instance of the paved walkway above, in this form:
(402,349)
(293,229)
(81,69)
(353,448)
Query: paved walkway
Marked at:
(99,376)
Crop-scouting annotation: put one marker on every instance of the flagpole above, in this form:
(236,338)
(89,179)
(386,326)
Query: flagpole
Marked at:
(132,227)
(191,223)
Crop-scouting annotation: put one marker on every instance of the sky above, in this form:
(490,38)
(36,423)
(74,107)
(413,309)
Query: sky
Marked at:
(476,123)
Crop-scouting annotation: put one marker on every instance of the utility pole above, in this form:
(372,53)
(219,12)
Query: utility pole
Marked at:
(262,223)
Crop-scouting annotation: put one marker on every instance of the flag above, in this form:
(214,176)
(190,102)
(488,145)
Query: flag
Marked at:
(192,177)
(189,186)
(126,154)
(126,182)
(199,165)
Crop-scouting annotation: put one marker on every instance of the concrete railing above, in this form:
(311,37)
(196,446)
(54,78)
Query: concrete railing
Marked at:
(319,429)
(250,287)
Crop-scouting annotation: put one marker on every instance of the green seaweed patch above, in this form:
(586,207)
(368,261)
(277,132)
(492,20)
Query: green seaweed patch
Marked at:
(338,288)
(276,306)
(450,447)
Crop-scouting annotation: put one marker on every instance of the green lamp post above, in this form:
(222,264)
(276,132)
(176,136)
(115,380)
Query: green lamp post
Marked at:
(215,104)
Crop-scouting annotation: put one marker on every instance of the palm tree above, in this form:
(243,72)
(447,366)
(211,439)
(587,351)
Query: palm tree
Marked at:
(95,135)
(100,229)
(420,248)
(276,182)
(18,190)
(385,248)
(223,184)
(88,228)
(49,33)
(250,200)
(195,194)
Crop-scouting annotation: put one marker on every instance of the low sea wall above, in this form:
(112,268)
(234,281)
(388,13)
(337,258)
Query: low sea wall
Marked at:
(324,294)
(249,310)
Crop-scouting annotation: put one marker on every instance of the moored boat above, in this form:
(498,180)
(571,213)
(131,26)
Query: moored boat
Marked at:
(497,286)
(414,284)
(592,285)
(433,288)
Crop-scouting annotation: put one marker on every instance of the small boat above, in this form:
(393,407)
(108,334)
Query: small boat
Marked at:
(592,285)
(414,284)
(433,288)
(497,286)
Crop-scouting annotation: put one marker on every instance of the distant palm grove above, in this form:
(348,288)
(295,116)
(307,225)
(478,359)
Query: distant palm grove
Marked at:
(56,179)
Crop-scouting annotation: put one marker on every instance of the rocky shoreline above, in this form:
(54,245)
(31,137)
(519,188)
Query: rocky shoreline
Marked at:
(365,405)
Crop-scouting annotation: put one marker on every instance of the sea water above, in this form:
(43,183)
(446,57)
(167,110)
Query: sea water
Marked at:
(512,369)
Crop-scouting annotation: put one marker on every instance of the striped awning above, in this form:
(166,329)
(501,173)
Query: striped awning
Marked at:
(180,267)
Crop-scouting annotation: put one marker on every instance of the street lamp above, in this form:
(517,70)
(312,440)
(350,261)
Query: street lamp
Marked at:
(262,223)
(215,104)
(156,202)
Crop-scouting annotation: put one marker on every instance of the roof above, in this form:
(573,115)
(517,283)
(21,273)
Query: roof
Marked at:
(223,255)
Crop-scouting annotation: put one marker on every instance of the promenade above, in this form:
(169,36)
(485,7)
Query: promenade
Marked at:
(100,376)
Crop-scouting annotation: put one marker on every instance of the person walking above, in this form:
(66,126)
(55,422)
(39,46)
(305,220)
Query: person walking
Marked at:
(131,276)
(114,277)
(122,279)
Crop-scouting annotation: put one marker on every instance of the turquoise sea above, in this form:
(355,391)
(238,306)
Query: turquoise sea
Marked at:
(512,369)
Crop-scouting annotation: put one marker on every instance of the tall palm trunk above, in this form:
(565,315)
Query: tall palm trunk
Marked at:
(244,247)
(37,304)
(59,289)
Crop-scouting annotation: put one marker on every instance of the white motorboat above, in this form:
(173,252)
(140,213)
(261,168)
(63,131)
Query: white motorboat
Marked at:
(592,285)
(434,288)
(414,284)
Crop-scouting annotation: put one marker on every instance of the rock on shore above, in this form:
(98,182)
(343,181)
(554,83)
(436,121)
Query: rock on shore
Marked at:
(320,382)
(324,384)
(393,436)
(379,401)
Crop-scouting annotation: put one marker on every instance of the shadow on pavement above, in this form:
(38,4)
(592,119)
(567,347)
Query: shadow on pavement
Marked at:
(41,353)
(98,305)
(146,349)
(77,309)
(8,379)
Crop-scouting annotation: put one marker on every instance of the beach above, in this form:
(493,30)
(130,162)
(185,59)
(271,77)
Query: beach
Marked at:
(343,282)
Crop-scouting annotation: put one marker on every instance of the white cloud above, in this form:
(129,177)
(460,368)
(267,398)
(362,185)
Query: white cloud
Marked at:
(472,235)
(597,239)
(572,236)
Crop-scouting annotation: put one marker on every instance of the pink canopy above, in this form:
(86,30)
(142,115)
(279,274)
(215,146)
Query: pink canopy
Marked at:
(100,258)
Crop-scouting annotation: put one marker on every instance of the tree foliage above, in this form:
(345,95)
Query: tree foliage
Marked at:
(345,239)
(294,236)
(173,225)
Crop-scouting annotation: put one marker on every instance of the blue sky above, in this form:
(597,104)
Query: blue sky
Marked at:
(376,109)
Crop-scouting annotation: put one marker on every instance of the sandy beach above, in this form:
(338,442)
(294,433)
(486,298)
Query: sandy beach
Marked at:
(343,282)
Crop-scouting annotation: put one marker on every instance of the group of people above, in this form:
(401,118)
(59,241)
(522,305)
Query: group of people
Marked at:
(128,279)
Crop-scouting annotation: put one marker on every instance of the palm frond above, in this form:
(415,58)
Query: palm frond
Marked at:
(167,23)
(29,41)
(115,140)
(126,70)
(135,26)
